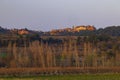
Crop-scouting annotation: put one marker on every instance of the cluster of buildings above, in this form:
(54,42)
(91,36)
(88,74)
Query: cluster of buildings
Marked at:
(74,29)
(20,31)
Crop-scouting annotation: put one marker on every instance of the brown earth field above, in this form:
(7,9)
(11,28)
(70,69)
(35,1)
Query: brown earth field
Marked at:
(57,71)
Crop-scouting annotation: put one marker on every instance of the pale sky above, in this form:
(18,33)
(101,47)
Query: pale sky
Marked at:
(54,14)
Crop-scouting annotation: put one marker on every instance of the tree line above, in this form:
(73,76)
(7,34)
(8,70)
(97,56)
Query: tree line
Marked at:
(87,51)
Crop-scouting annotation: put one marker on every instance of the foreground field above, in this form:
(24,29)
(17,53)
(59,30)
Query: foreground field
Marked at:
(57,71)
(69,77)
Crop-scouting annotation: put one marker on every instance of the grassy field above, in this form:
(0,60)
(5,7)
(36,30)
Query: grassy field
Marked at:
(69,77)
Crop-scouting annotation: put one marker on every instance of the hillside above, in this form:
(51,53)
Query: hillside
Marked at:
(4,31)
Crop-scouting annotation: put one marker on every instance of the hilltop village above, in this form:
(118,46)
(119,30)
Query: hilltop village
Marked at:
(74,29)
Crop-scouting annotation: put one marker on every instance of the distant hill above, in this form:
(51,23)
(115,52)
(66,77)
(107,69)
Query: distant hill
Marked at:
(4,31)
(110,31)
(75,31)
(19,31)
